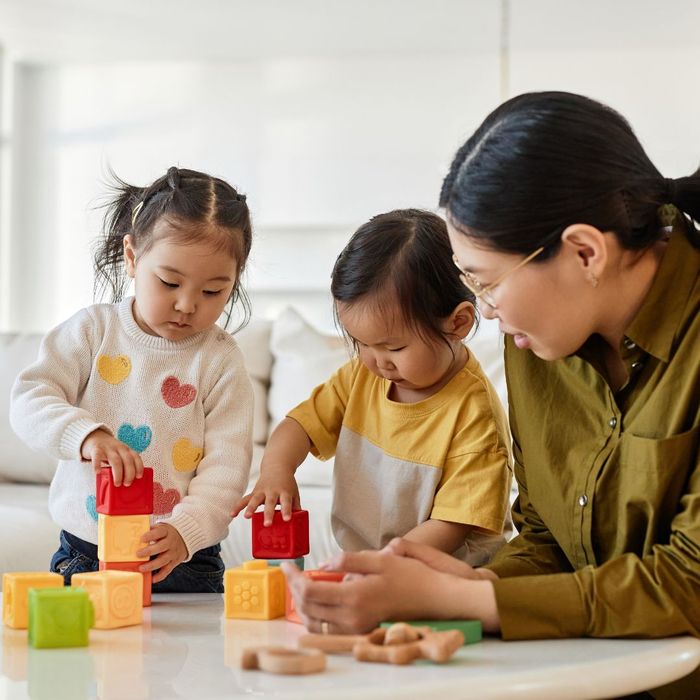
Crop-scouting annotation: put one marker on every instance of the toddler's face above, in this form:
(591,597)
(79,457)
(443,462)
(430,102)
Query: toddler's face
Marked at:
(393,350)
(180,289)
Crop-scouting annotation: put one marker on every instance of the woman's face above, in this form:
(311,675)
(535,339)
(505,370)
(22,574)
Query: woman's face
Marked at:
(541,304)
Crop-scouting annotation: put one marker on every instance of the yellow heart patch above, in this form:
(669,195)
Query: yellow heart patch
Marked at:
(113,369)
(186,456)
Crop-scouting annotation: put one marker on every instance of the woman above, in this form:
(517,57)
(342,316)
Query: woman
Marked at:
(587,255)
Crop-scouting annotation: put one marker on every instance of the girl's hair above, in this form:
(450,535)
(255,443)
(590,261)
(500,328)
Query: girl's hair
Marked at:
(401,259)
(197,207)
(545,160)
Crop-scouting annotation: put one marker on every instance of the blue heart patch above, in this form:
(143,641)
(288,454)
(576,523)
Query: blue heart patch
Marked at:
(138,439)
(91,507)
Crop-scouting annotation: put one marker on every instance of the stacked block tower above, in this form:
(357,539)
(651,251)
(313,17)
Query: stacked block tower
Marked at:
(123,516)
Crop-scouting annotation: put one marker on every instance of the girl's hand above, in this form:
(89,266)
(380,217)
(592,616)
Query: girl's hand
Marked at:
(168,547)
(275,485)
(103,449)
(390,588)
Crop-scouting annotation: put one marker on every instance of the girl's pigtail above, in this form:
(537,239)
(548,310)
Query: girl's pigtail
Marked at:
(684,193)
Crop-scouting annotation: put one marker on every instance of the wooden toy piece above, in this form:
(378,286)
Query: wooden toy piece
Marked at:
(281,540)
(117,597)
(132,566)
(299,562)
(254,591)
(135,499)
(15,594)
(59,617)
(471,629)
(331,643)
(284,660)
(119,536)
(315,575)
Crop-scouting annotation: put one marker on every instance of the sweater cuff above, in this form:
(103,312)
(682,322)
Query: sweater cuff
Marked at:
(541,607)
(190,532)
(74,436)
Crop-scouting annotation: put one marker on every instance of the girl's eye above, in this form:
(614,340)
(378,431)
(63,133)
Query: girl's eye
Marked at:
(396,349)
(170,285)
(212,293)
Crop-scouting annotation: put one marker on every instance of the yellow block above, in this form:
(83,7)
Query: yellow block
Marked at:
(15,594)
(119,536)
(254,591)
(117,596)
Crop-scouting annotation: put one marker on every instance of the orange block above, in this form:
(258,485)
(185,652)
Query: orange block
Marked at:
(315,575)
(119,536)
(117,597)
(254,591)
(15,594)
(132,566)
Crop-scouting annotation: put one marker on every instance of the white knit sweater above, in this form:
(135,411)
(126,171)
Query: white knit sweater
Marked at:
(172,401)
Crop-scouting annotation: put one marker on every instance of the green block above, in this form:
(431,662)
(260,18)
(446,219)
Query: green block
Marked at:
(59,617)
(299,561)
(471,629)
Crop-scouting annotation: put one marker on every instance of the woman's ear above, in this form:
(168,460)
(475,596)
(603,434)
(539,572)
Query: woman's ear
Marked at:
(461,320)
(129,255)
(588,250)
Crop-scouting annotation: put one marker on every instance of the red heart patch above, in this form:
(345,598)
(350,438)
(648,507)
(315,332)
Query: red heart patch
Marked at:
(177,395)
(164,501)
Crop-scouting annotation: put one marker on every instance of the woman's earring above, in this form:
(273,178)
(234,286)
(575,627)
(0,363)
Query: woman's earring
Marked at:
(593,279)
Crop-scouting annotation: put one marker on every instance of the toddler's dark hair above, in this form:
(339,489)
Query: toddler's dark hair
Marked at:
(401,259)
(196,205)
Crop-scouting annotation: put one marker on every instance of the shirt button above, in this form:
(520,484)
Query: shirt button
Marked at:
(629,344)
(583,500)
(612,422)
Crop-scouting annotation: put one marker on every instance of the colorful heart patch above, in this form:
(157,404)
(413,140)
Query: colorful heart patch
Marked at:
(138,439)
(186,456)
(177,395)
(113,369)
(164,500)
(91,507)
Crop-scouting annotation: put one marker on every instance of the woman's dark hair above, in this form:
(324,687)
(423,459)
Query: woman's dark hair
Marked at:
(197,207)
(545,160)
(401,259)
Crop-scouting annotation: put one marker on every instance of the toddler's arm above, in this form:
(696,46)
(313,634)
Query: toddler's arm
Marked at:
(286,449)
(441,534)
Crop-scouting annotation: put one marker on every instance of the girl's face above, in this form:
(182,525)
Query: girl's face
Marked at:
(180,289)
(541,304)
(391,349)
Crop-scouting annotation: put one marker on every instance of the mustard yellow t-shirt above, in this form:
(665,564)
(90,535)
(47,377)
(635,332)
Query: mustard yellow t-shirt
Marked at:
(399,464)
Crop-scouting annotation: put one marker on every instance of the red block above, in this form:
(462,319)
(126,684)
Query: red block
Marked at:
(281,540)
(315,575)
(132,566)
(135,499)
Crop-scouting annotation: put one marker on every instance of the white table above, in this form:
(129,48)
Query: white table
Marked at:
(186,649)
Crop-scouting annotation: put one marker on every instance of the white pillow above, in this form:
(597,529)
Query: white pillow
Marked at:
(303,359)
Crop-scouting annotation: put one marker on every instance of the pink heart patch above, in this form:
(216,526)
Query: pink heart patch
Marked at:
(164,501)
(177,395)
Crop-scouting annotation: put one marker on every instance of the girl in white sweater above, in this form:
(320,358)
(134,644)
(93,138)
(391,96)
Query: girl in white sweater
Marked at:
(151,379)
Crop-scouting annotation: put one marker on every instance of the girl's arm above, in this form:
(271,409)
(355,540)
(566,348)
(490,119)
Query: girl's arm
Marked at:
(441,534)
(286,449)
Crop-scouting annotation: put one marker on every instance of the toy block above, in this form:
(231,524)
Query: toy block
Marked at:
(59,617)
(135,499)
(15,598)
(471,629)
(119,536)
(315,575)
(281,540)
(299,561)
(132,566)
(117,597)
(254,591)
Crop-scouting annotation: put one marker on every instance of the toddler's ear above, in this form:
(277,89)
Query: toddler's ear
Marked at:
(461,320)
(129,255)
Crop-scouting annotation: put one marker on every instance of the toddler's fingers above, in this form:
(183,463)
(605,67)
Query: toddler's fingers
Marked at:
(115,461)
(240,505)
(287,506)
(256,498)
(270,504)
(139,465)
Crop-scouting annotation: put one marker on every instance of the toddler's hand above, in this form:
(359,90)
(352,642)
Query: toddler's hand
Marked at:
(167,543)
(103,449)
(274,486)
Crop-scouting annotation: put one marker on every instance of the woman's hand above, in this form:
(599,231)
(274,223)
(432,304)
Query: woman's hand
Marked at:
(275,485)
(168,547)
(103,449)
(391,587)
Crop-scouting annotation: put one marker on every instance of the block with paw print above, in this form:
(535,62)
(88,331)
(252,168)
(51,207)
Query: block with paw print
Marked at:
(254,591)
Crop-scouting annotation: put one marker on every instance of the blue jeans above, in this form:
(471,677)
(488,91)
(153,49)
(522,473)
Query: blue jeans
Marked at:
(204,573)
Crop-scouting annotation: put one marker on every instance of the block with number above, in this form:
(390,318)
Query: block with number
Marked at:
(119,536)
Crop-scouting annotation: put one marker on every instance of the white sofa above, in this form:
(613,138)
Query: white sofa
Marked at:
(286,358)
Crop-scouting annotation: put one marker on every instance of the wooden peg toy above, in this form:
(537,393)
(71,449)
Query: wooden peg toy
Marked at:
(283,660)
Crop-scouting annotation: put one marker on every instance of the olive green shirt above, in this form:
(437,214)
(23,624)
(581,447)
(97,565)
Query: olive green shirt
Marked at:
(608,511)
